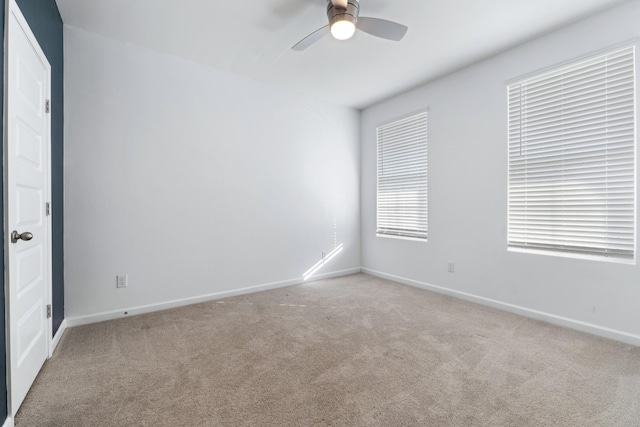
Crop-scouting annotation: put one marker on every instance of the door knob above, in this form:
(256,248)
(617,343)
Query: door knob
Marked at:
(15,236)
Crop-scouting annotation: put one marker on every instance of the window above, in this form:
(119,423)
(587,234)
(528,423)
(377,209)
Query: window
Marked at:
(572,158)
(402,178)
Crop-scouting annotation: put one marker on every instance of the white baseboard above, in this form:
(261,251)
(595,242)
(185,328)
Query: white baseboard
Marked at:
(132,311)
(57,337)
(8,422)
(523,311)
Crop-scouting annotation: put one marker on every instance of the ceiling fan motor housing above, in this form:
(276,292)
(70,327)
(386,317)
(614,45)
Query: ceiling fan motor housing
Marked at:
(335,13)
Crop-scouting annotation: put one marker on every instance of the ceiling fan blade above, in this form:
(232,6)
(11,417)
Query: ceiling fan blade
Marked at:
(340,3)
(382,28)
(311,38)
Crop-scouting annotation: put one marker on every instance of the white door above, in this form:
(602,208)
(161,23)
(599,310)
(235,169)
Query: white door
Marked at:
(27,180)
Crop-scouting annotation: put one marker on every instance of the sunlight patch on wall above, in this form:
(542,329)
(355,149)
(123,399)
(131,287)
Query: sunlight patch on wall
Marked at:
(322,262)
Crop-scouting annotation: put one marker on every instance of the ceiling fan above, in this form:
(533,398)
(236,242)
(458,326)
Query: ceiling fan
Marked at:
(344,20)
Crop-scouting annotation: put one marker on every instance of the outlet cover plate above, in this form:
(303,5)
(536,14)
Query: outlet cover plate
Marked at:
(121,281)
(452,266)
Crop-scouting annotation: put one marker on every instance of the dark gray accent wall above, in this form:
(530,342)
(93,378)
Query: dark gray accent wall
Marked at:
(3,338)
(45,22)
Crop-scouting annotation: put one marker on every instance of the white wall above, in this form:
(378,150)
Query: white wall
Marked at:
(193,181)
(468,193)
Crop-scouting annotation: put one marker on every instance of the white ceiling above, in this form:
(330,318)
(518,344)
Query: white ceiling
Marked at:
(253,38)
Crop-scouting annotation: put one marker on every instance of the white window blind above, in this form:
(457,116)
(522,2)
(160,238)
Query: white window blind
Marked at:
(572,158)
(402,178)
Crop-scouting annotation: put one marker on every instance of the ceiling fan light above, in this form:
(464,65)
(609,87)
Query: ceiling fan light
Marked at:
(343,30)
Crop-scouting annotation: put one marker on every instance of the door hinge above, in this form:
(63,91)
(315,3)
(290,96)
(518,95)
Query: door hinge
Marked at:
(48,311)
(47,208)
(47,106)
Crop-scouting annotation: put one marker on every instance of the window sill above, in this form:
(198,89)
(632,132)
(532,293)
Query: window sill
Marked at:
(573,255)
(390,236)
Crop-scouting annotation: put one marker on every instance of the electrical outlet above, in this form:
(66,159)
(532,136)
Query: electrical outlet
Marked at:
(121,281)
(451,268)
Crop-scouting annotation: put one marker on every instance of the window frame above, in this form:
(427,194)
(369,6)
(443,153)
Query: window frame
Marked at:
(423,111)
(564,252)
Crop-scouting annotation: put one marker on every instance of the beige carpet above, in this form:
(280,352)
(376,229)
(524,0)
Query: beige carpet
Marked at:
(352,351)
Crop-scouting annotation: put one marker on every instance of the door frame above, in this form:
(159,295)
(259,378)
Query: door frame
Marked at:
(12,9)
